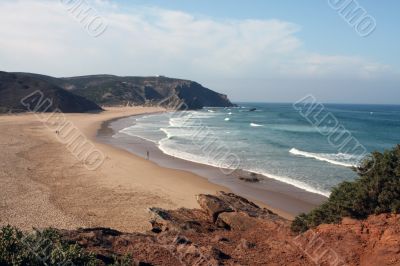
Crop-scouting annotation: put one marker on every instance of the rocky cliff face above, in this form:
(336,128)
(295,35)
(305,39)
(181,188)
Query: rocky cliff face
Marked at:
(114,90)
(20,93)
(230,230)
(109,90)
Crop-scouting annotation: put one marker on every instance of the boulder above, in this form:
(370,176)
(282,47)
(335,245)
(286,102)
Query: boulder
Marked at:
(240,204)
(213,205)
(180,220)
(236,221)
(248,176)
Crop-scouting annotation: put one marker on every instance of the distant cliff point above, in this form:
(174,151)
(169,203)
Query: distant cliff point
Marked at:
(87,93)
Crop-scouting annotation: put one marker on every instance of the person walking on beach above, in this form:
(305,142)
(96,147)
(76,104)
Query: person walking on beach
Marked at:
(148,155)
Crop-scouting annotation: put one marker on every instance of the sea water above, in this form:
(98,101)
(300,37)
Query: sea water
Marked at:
(274,140)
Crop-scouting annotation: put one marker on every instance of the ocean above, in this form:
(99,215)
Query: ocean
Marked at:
(272,139)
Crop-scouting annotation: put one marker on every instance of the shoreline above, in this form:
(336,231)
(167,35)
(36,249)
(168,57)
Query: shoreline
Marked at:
(285,199)
(44,185)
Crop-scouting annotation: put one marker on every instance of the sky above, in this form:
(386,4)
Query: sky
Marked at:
(260,50)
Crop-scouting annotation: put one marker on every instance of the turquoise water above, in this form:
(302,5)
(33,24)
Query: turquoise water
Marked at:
(274,140)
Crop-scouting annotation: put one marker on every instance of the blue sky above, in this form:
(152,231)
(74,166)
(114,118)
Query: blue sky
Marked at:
(323,30)
(273,51)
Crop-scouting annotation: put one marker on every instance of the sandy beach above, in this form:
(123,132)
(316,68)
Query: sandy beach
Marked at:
(283,198)
(44,185)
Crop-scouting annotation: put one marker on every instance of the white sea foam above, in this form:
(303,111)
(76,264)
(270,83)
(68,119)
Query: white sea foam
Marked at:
(177,133)
(255,125)
(135,134)
(165,147)
(169,135)
(293,182)
(333,158)
(173,150)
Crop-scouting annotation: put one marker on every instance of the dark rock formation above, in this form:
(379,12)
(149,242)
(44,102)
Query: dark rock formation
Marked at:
(248,176)
(235,221)
(213,205)
(240,204)
(253,236)
(21,93)
(109,90)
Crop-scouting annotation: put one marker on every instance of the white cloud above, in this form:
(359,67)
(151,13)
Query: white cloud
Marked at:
(41,36)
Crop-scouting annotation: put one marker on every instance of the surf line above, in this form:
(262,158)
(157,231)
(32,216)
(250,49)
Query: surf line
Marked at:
(328,125)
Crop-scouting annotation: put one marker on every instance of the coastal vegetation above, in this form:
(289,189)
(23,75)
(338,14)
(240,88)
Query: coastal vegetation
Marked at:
(226,230)
(88,93)
(22,93)
(18,248)
(375,191)
(47,247)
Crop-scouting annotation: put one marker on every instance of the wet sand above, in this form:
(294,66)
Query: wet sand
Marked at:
(283,198)
(44,185)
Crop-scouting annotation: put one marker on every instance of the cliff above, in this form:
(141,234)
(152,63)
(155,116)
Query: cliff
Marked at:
(109,90)
(230,230)
(87,93)
(20,93)
(226,230)
(114,90)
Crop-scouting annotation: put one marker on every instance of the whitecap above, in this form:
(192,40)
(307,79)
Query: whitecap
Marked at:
(333,158)
(255,125)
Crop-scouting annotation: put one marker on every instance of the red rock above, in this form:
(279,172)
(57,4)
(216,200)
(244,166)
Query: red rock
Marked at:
(349,221)
(190,238)
(237,220)
(213,205)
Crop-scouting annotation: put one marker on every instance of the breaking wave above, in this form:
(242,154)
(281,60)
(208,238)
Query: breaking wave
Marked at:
(346,160)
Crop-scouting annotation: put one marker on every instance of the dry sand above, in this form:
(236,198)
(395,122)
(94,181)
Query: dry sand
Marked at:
(42,184)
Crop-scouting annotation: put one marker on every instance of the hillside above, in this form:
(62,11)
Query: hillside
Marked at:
(114,90)
(14,87)
(110,90)
(227,230)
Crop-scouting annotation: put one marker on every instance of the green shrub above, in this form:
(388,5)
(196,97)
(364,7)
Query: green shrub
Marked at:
(125,260)
(375,191)
(39,248)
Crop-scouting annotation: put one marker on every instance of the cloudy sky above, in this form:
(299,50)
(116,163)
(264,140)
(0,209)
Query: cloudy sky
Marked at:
(266,51)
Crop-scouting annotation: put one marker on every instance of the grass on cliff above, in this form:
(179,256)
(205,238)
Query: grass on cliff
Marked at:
(47,248)
(40,248)
(375,191)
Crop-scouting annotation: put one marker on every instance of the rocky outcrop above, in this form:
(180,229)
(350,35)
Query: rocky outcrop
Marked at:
(230,230)
(213,205)
(248,176)
(374,241)
(169,92)
(21,93)
(110,90)
(235,221)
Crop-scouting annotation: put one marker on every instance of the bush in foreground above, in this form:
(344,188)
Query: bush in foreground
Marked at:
(40,248)
(375,191)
